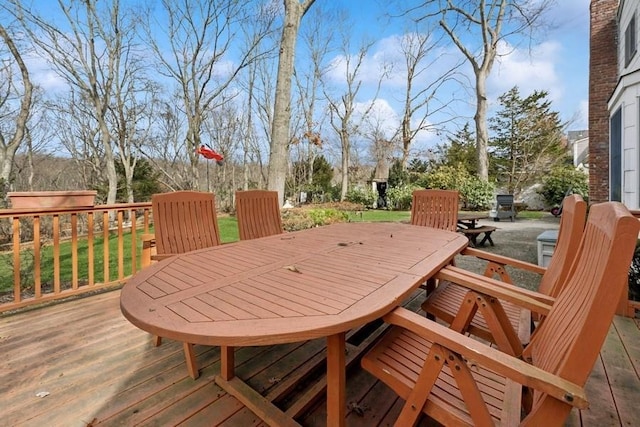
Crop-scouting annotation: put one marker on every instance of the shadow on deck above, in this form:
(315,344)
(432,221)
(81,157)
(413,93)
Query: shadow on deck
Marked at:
(92,367)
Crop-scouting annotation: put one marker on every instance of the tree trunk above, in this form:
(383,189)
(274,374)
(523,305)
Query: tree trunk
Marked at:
(278,155)
(346,148)
(9,148)
(482,133)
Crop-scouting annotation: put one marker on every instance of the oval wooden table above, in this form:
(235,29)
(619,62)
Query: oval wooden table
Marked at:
(291,287)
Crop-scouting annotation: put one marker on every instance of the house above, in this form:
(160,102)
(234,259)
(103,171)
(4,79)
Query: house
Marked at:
(578,144)
(614,102)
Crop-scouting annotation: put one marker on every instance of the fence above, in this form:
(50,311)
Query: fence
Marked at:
(54,253)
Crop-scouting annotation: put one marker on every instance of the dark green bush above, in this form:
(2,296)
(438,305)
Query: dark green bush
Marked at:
(634,275)
(561,179)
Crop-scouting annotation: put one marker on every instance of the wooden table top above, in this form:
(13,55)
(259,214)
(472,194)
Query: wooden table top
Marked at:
(290,287)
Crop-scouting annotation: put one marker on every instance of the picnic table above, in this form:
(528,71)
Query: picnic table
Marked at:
(286,288)
(468,225)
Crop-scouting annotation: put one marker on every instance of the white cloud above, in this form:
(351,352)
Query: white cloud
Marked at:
(529,70)
(42,74)
(369,72)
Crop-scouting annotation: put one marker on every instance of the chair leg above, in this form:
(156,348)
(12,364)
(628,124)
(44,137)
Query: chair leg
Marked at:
(157,341)
(190,358)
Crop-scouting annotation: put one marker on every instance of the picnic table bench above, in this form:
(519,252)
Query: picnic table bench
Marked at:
(468,225)
(473,233)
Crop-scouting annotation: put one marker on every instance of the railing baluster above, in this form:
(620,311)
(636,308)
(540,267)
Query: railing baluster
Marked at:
(56,253)
(105,245)
(120,245)
(37,279)
(134,241)
(17,295)
(90,255)
(74,250)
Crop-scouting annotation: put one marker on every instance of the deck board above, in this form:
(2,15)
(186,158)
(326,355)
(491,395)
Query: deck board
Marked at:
(100,370)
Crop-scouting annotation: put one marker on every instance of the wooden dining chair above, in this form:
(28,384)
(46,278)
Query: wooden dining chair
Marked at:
(183,221)
(458,380)
(435,208)
(258,214)
(447,299)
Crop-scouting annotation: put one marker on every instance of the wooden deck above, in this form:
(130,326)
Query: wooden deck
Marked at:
(97,369)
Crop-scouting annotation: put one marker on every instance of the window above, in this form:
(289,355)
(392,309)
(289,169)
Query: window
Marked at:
(630,47)
(615,156)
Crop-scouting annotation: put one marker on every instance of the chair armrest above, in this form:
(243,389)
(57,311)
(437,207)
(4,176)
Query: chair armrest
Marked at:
(157,257)
(491,358)
(533,301)
(503,260)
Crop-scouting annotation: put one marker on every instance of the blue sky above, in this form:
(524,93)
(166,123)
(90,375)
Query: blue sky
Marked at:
(557,61)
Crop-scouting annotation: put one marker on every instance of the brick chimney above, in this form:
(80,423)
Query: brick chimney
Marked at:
(603,76)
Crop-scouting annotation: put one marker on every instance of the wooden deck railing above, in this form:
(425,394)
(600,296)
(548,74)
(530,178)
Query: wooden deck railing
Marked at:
(49,254)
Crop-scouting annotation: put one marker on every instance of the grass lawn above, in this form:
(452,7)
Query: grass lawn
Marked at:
(380,216)
(228,229)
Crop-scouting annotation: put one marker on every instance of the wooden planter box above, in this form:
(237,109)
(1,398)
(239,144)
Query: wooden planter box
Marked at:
(52,199)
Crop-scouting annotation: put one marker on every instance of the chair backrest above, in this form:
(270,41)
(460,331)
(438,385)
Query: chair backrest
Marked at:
(184,221)
(435,208)
(567,343)
(574,215)
(258,214)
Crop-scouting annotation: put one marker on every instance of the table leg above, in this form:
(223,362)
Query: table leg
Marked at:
(190,358)
(336,380)
(227,362)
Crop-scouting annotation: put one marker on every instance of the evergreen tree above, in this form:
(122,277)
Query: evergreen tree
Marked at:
(322,174)
(527,140)
(146,182)
(459,150)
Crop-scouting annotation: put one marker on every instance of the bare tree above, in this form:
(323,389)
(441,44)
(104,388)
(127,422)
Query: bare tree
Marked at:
(76,128)
(477,27)
(224,127)
(165,147)
(35,150)
(87,56)
(259,88)
(343,107)
(317,43)
(200,36)
(382,146)
(280,139)
(421,102)
(13,119)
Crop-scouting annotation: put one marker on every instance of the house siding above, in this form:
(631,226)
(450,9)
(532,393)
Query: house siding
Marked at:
(626,97)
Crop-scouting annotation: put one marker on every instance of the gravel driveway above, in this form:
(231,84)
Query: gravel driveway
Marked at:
(516,239)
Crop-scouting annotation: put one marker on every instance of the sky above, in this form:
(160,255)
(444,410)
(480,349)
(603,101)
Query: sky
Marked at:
(557,61)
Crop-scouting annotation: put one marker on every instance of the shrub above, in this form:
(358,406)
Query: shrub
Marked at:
(399,198)
(447,177)
(300,219)
(561,179)
(366,197)
(634,275)
(476,194)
